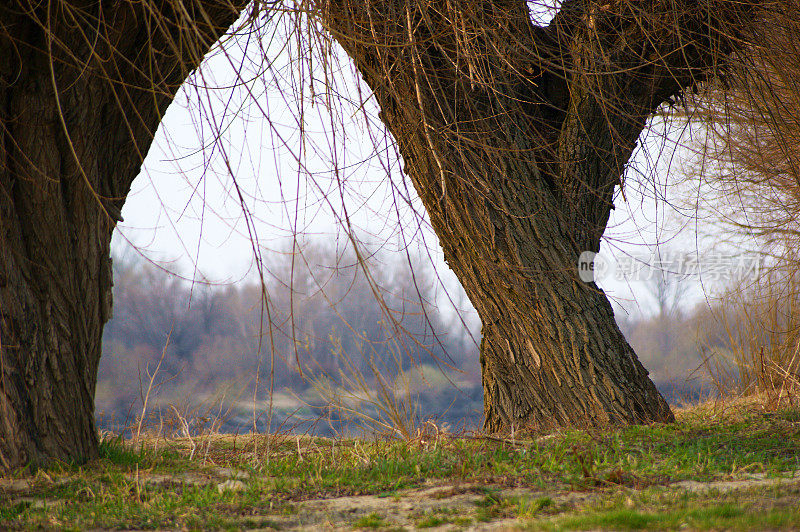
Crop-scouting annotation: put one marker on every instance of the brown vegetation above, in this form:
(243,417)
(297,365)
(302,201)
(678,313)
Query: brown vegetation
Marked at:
(750,165)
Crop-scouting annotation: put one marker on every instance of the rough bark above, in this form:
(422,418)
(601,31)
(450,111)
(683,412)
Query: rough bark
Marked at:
(83,86)
(515,137)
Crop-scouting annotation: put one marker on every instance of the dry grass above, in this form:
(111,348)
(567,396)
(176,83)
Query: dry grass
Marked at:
(762,325)
(380,399)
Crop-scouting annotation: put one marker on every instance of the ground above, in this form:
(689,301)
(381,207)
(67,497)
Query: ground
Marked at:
(720,466)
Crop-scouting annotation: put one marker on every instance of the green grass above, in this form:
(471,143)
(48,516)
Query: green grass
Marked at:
(118,453)
(372,520)
(713,516)
(529,508)
(431,521)
(615,479)
(441,516)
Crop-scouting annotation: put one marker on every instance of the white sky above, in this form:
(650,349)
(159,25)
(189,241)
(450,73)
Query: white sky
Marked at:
(184,211)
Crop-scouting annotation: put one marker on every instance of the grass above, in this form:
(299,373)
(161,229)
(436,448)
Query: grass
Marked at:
(372,520)
(440,517)
(747,510)
(617,479)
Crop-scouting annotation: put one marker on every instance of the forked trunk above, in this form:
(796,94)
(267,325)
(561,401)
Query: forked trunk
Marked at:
(82,90)
(515,137)
(551,354)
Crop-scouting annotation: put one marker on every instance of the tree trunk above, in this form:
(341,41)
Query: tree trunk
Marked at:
(78,108)
(515,137)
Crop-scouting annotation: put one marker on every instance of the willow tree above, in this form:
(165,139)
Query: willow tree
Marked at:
(83,87)
(515,136)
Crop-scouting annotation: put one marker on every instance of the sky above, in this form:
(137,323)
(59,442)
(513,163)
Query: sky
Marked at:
(239,138)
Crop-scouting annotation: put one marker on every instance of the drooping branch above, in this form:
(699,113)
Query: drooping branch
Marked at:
(585,85)
(515,137)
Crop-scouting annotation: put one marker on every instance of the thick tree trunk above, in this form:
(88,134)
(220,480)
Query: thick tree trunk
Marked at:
(82,88)
(515,137)
(55,277)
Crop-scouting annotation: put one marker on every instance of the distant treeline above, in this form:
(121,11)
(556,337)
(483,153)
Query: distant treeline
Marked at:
(218,341)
